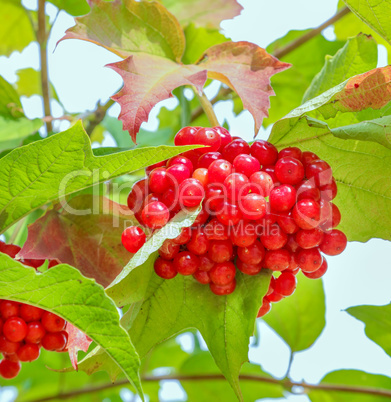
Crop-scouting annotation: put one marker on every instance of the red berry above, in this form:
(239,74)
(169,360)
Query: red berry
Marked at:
(55,341)
(243,234)
(30,313)
(275,297)
(263,182)
(198,243)
(9,309)
(220,251)
(183,237)
(282,198)
(155,215)
(253,206)
(7,346)
(185,136)
(246,164)
(207,159)
(15,329)
(169,249)
(265,152)
(133,238)
(224,135)
(292,152)
(253,254)
(320,171)
(9,369)
(309,260)
(235,148)
(181,160)
(165,269)
(191,192)
(285,284)
(333,243)
(28,352)
(223,273)
(208,137)
(158,180)
(309,238)
(329,191)
(52,322)
(289,170)
(149,169)
(202,277)
(206,264)
(215,194)
(229,214)
(170,199)
(286,222)
(201,174)
(306,213)
(307,189)
(277,260)
(273,237)
(292,245)
(35,332)
(176,174)
(319,272)
(248,269)
(308,157)
(215,230)
(186,263)
(223,290)
(336,216)
(234,184)
(219,170)
(265,308)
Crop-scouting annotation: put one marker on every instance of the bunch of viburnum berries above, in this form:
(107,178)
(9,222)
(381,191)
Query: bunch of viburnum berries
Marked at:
(24,329)
(261,209)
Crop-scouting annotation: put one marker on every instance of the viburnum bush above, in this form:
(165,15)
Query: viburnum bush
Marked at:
(204,228)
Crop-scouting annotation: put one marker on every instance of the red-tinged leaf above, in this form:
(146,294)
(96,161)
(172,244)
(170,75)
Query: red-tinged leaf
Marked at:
(89,241)
(246,68)
(148,80)
(77,340)
(130,26)
(208,13)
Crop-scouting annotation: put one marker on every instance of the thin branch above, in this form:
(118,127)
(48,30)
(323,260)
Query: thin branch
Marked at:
(207,107)
(97,116)
(219,377)
(279,53)
(42,41)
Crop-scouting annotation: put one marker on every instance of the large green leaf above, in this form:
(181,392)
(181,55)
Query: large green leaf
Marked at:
(357,56)
(82,302)
(299,319)
(63,164)
(374,13)
(10,106)
(29,83)
(13,15)
(377,320)
(73,7)
(355,379)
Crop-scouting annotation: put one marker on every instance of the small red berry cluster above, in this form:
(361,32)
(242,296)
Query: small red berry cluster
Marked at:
(24,329)
(261,209)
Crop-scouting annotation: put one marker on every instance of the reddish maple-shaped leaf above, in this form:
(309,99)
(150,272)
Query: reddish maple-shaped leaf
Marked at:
(77,340)
(246,68)
(128,26)
(89,240)
(208,13)
(147,80)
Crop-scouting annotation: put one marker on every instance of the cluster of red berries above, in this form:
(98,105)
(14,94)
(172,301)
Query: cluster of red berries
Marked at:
(24,329)
(260,209)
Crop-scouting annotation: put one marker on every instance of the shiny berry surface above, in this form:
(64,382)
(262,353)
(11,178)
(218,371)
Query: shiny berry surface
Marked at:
(133,238)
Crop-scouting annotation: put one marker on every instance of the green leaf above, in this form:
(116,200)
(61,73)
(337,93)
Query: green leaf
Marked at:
(73,7)
(219,390)
(356,379)
(136,27)
(29,83)
(198,40)
(357,56)
(12,15)
(63,164)
(114,127)
(65,292)
(377,320)
(307,60)
(126,288)
(10,106)
(374,13)
(299,319)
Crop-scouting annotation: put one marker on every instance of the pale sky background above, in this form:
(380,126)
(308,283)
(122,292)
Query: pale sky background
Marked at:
(361,275)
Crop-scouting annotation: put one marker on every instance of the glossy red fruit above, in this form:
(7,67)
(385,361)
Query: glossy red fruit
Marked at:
(149,169)
(165,269)
(235,148)
(334,242)
(307,189)
(289,170)
(7,346)
(54,341)
(185,136)
(223,273)
(176,174)
(291,152)
(319,272)
(191,193)
(206,264)
(243,234)
(229,214)
(35,332)
(207,159)
(234,184)
(186,263)
(306,213)
(285,284)
(286,222)
(30,313)
(208,137)
(199,243)
(309,260)
(335,216)
(270,171)
(158,180)
(223,290)
(265,152)
(273,237)
(183,237)
(329,191)
(275,297)
(28,352)
(263,182)
(215,230)
(248,269)
(202,277)
(15,329)
(181,160)
(277,260)
(52,322)
(201,174)
(309,238)
(265,308)
(170,199)
(246,164)
(253,254)
(220,251)
(215,194)
(219,170)
(308,157)
(320,171)
(252,206)
(155,215)
(291,245)
(169,249)
(193,156)
(282,198)
(9,369)
(9,309)
(133,238)
(225,136)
